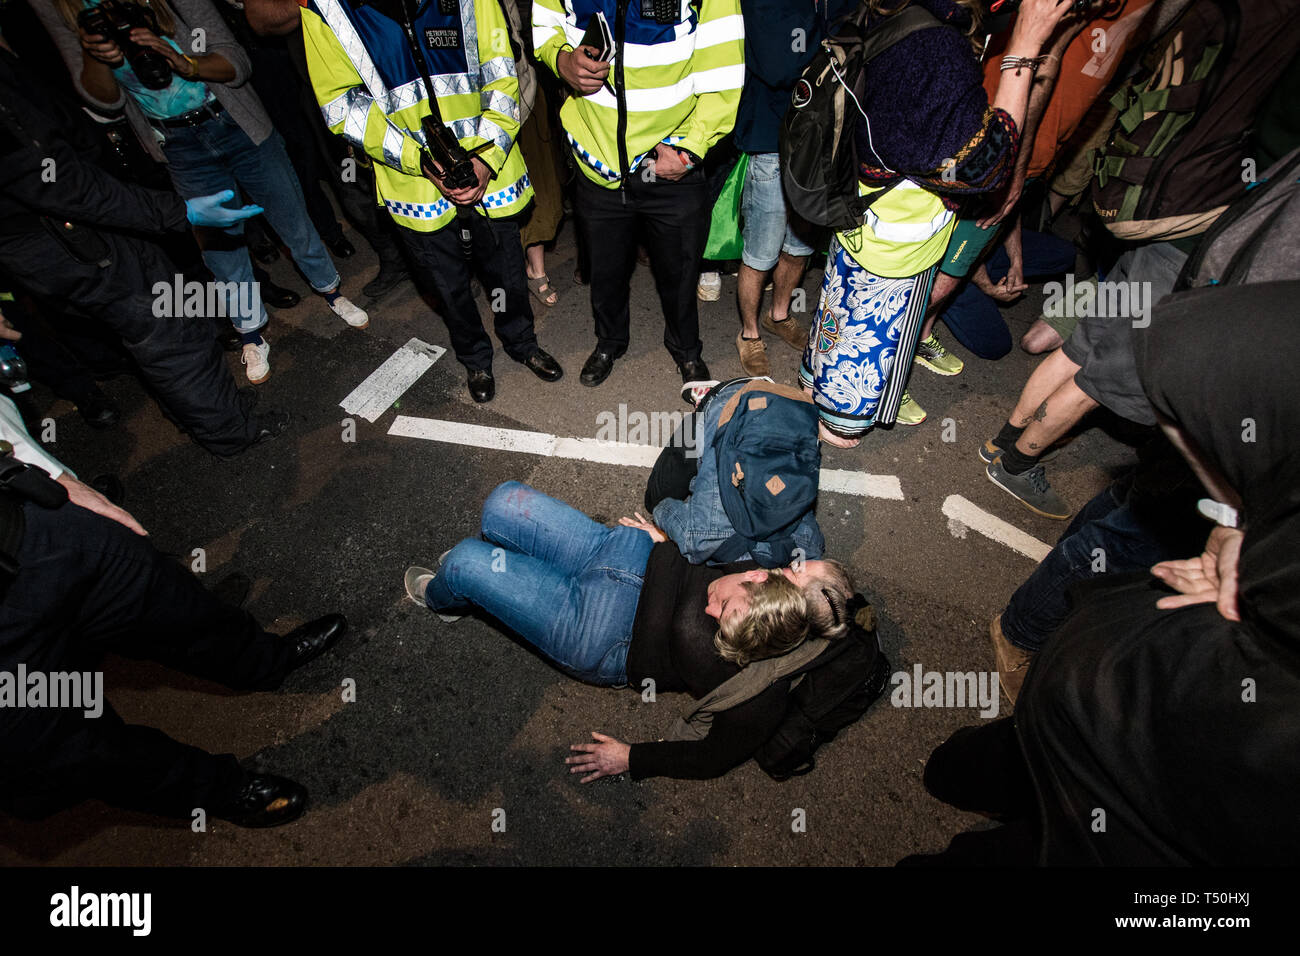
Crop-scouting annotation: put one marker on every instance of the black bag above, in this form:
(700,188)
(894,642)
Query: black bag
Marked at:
(835,689)
(819,162)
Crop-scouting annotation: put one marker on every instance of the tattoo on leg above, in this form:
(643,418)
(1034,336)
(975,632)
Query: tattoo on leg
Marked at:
(1040,412)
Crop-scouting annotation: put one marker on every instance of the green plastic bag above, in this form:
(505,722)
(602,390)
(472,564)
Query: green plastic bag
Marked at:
(725,239)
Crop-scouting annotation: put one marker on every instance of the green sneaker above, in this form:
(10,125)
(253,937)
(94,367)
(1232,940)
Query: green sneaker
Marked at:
(909,413)
(936,358)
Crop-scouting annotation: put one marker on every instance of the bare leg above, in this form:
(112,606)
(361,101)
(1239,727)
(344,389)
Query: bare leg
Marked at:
(944,286)
(786,277)
(535,257)
(1053,372)
(1041,338)
(1054,416)
(749,292)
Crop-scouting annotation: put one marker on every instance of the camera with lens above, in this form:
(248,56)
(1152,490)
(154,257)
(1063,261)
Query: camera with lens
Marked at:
(451,157)
(114,20)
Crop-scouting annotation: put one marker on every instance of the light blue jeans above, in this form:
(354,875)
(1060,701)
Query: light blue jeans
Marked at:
(217,155)
(766,229)
(564,583)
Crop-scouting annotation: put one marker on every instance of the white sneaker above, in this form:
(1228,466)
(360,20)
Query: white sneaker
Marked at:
(709,288)
(345,309)
(256,365)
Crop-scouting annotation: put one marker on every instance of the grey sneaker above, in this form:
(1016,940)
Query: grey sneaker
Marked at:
(1031,489)
(417,581)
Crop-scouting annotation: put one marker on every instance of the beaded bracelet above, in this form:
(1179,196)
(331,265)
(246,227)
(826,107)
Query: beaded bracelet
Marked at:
(1016,62)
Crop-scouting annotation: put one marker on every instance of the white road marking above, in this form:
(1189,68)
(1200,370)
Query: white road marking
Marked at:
(607,452)
(386,384)
(967,515)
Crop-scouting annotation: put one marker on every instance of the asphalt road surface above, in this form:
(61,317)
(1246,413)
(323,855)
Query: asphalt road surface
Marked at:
(457,727)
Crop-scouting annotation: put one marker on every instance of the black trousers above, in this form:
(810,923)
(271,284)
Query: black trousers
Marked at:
(179,357)
(87,585)
(671,219)
(499,259)
(674,470)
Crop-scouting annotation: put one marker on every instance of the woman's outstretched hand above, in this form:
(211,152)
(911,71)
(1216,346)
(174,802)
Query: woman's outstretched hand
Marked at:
(1209,579)
(645,524)
(605,758)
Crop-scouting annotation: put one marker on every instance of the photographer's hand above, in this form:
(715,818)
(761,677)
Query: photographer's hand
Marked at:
(580,71)
(86,497)
(101,49)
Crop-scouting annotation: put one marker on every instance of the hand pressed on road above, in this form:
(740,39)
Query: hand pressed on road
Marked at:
(605,758)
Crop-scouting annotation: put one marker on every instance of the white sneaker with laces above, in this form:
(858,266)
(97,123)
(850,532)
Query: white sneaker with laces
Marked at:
(256,364)
(348,311)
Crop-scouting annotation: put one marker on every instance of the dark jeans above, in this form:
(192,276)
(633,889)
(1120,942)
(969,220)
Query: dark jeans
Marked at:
(671,219)
(975,319)
(178,356)
(499,259)
(1128,541)
(87,585)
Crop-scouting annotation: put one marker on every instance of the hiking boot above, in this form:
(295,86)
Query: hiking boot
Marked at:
(936,358)
(1031,489)
(753,356)
(788,330)
(1013,662)
(909,412)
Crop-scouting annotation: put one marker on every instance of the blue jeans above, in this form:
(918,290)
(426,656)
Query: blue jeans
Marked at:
(976,321)
(217,155)
(564,583)
(767,231)
(1108,522)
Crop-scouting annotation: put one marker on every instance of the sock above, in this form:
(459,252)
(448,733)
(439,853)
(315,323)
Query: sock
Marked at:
(750,338)
(330,297)
(1007,438)
(250,338)
(1016,463)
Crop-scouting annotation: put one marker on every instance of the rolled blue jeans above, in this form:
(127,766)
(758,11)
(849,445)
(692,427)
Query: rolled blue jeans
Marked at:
(216,155)
(564,583)
(766,230)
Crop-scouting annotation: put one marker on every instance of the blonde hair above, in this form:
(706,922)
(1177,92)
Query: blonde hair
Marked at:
(775,624)
(828,596)
(782,614)
(166,21)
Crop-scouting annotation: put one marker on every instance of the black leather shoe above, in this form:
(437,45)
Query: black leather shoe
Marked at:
(389,278)
(597,368)
(228,337)
(542,364)
(695,371)
(98,410)
(314,638)
(265,800)
(482,386)
(265,251)
(111,487)
(341,248)
(277,296)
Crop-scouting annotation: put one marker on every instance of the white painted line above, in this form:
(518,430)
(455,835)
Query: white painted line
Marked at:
(967,515)
(386,384)
(606,452)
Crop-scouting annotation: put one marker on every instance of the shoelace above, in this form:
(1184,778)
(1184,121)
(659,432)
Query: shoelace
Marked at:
(1037,478)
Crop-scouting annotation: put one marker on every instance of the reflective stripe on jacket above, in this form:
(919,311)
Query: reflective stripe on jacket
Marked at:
(369,89)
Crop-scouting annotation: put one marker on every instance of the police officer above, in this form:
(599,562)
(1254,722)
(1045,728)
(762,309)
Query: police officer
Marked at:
(371,75)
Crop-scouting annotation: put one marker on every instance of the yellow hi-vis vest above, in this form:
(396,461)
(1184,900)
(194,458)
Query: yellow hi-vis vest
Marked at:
(370,91)
(906,232)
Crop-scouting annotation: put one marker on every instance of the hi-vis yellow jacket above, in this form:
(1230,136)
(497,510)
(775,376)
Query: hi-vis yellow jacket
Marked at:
(370,90)
(675,83)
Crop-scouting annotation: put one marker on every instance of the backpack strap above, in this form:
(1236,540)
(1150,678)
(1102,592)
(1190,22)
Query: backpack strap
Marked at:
(753,679)
(732,549)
